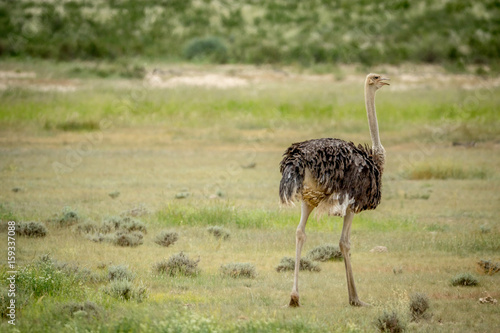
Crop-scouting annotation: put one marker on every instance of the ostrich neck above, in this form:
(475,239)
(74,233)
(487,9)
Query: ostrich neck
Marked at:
(372,117)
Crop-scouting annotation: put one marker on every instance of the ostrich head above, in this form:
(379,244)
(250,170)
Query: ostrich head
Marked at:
(376,81)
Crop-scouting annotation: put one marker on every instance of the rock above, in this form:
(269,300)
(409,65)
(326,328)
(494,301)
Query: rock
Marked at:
(488,300)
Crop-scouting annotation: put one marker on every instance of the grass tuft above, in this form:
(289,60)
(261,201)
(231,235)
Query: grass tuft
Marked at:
(238,270)
(177,264)
(419,304)
(166,238)
(464,279)
(325,253)
(219,232)
(31,229)
(288,264)
(390,322)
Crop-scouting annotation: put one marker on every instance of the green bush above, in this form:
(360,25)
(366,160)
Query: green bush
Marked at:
(464,279)
(212,49)
(125,290)
(219,232)
(120,272)
(419,304)
(166,238)
(178,264)
(31,229)
(86,309)
(237,270)
(325,253)
(125,238)
(288,264)
(390,322)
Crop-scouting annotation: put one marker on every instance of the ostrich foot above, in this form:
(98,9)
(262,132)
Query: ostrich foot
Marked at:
(294,300)
(359,303)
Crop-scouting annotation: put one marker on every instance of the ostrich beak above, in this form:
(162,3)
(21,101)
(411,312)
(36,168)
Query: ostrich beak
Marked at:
(385,83)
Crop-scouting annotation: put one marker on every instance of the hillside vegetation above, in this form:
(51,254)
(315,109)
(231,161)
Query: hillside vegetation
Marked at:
(455,33)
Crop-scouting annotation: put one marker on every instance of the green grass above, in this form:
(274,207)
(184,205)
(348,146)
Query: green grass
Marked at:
(155,143)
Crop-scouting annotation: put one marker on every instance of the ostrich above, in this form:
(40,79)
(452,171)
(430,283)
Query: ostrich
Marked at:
(338,178)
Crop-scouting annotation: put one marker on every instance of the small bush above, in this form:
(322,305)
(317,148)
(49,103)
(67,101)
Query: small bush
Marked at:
(219,232)
(178,264)
(114,223)
(120,272)
(86,227)
(237,270)
(444,170)
(390,322)
(288,264)
(212,49)
(166,238)
(31,229)
(325,253)
(87,309)
(69,217)
(488,267)
(419,304)
(464,279)
(124,238)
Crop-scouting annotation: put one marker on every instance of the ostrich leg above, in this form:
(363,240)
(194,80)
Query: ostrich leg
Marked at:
(345,246)
(300,239)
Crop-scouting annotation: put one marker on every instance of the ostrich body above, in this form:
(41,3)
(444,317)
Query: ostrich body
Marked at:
(336,177)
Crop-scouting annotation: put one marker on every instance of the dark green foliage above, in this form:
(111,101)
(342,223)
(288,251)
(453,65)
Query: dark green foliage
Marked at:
(325,253)
(390,322)
(87,309)
(120,272)
(212,49)
(166,238)
(31,229)
(419,304)
(219,232)
(464,279)
(237,270)
(288,264)
(254,32)
(178,264)
(76,125)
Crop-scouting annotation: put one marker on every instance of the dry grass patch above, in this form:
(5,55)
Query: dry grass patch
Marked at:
(444,170)
(219,232)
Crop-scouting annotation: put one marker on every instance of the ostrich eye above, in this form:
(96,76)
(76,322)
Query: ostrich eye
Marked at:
(376,77)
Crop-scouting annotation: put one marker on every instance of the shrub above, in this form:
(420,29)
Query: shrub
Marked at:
(237,270)
(114,223)
(488,267)
(166,238)
(31,229)
(87,309)
(69,217)
(86,227)
(419,304)
(125,290)
(325,252)
(464,279)
(178,264)
(124,238)
(219,232)
(120,272)
(390,322)
(288,264)
(212,49)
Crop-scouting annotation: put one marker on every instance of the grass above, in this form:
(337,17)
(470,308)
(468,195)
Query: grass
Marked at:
(200,139)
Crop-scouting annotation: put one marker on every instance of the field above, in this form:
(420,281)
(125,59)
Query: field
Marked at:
(194,146)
